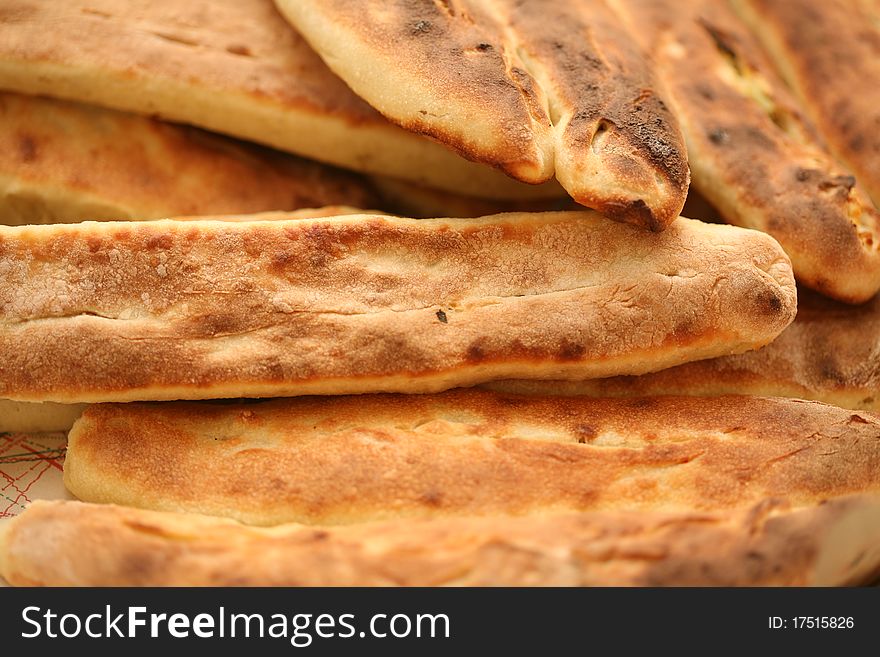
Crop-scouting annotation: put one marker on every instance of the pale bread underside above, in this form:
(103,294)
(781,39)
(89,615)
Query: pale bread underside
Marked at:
(30,417)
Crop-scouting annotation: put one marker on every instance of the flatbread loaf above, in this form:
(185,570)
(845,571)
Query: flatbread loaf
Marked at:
(231,67)
(348,459)
(830,353)
(62,161)
(771,543)
(752,153)
(121,311)
(828,52)
(535,88)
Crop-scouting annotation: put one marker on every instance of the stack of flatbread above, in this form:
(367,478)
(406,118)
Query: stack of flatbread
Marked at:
(222,271)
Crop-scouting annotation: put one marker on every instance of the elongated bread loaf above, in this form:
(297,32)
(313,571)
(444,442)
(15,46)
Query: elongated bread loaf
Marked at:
(337,460)
(365,303)
(752,153)
(62,161)
(827,52)
(536,89)
(232,67)
(771,543)
(830,353)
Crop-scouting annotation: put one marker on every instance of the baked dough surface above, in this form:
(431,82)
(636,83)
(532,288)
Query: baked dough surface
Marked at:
(502,82)
(827,52)
(771,543)
(753,153)
(830,353)
(121,311)
(349,459)
(65,162)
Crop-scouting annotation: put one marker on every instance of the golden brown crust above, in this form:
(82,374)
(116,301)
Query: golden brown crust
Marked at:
(364,303)
(827,52)
(232,67)
(830,353)
(752,153)
(619,148)
(501,83)
(77,544)
(62,161)
(340,460)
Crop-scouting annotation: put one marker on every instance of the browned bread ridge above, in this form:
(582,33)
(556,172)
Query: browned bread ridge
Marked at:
(752,152)
(772,543)
(62,162)
(830,353)
(829,52)
(121,311)
(535,88)
(231,67)
(349,459)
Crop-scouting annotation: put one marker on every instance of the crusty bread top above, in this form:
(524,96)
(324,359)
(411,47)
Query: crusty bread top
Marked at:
(828,53)
(830,353)
(347,459)
(752,152)
(76,544)
(232,67)
(62,161)
(364,303)
(535,88)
